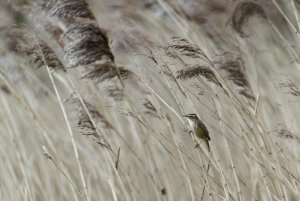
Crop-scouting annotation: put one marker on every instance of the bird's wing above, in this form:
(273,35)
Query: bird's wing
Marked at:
(201,125)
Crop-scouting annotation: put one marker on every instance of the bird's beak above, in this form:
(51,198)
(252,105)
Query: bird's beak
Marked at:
(185,115)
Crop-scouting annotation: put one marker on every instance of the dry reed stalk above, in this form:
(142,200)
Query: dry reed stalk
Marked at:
(88,115)
(42,54)
(295,13)
(144,123)
(14,135)
(165,68)
(211,159)
(33,115)
(274,179)
(221,126)
(204,57)
(48,156)
(88,47)
(243,110)
(184,164)
(171,129)
(286,17)
(99,72)
(70,133)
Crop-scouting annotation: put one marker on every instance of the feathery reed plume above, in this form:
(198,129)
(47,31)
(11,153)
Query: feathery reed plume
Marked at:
(86,31)
(115,92)
(150,109)
(36,50)
(95,114)
(46,153)
(233,65)
(247,94)
(124,111)
(105,71)
(292,88)
(69,9)
(10,36)
(241,14)
(85,124)
(186,48)
(86,128)
(287,134)
(198,70)
(89,44)
(40,51)
(199,89)
(48,156)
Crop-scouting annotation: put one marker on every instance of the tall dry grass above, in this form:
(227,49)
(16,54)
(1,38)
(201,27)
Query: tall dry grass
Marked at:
(93,95)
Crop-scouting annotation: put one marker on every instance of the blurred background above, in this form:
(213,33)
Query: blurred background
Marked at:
(93,95)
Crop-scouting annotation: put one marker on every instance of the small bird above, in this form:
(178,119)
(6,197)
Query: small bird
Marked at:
(198,128)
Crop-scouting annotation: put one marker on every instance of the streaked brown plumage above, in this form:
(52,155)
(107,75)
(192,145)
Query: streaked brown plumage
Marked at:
(198,128)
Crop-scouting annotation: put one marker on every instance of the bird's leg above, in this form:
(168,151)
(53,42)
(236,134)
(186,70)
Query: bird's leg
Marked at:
(195,138)
(198,143)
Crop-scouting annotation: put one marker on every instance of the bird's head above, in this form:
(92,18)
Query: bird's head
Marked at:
(192,117)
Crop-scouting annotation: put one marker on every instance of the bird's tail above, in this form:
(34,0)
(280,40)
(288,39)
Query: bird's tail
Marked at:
(207,144)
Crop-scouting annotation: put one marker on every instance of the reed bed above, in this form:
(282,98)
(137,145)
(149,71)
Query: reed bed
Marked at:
(93,95)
